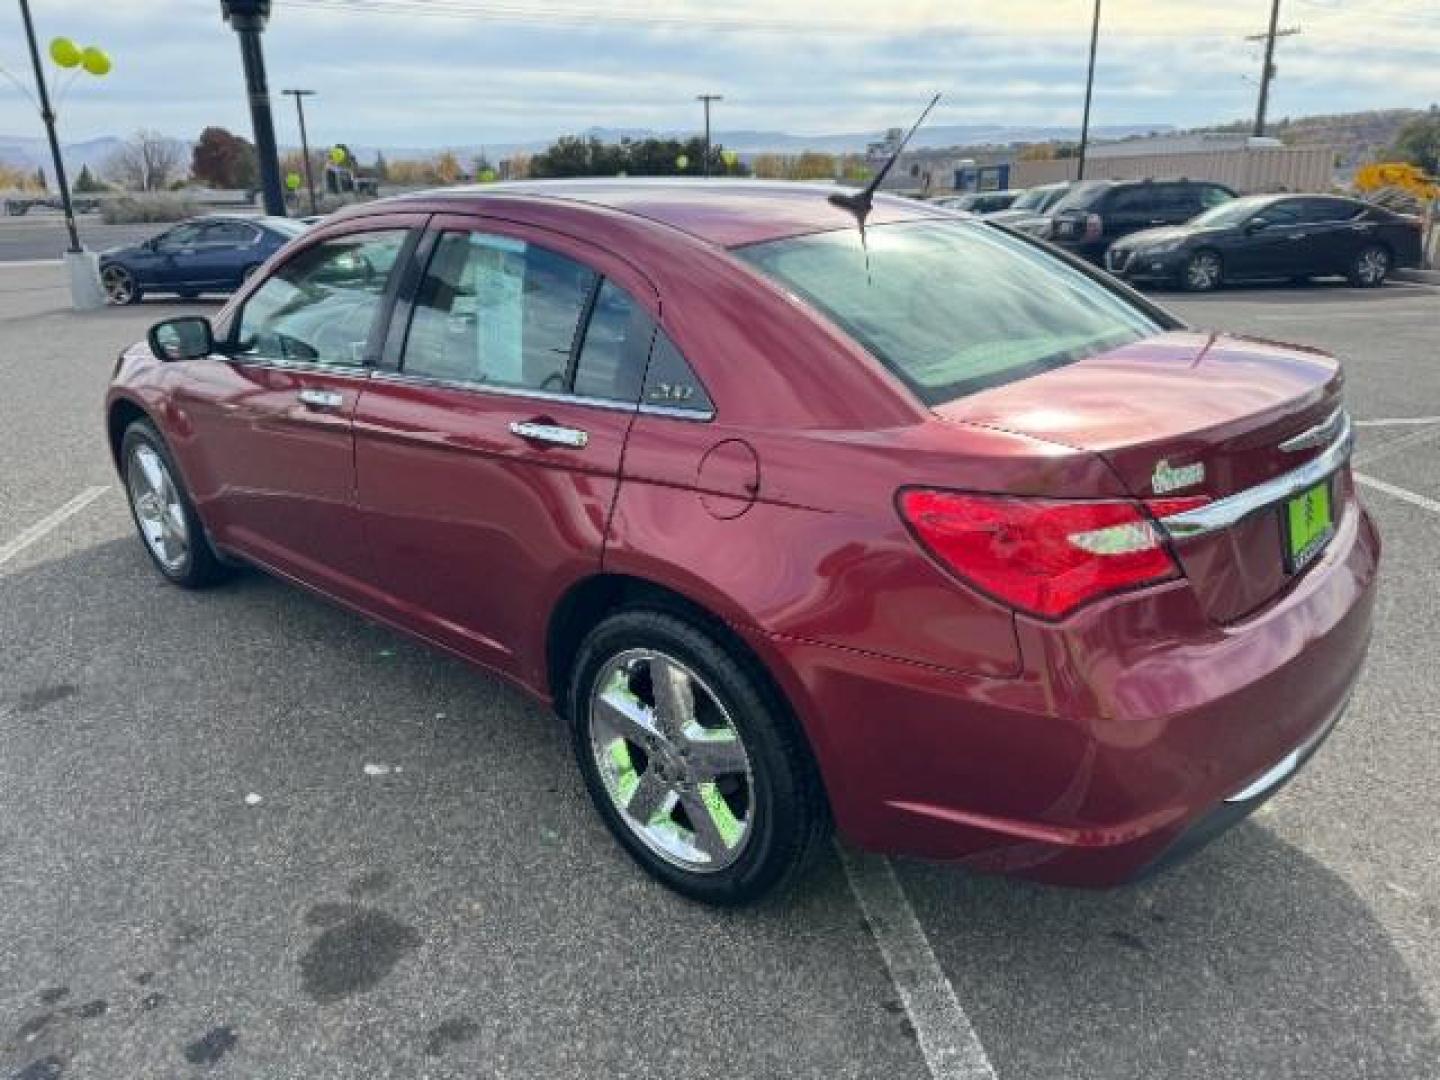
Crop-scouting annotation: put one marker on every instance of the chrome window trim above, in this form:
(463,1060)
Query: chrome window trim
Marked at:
(1226,512)
(402,377)
(525,393)
(314,367)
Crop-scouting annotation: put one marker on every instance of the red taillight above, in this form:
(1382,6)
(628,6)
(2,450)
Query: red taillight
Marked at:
(1044,556)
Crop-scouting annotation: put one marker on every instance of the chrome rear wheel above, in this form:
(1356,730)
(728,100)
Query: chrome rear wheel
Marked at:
(671,760)
(1203,272)
(119,285)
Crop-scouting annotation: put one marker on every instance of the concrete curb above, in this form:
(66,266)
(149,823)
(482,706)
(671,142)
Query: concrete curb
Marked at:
(1424,277)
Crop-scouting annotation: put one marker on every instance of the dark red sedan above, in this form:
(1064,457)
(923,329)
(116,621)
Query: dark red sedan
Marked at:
(923,528)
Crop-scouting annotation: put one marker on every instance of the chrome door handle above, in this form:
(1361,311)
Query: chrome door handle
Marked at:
(321,399)
(550,433)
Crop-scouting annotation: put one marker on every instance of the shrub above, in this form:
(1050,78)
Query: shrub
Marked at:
(131,209)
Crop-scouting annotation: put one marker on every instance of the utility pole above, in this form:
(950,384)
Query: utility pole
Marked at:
(1268,72)
(706,99)
(299,96)
(1089,90)
(48,115)
(247,18)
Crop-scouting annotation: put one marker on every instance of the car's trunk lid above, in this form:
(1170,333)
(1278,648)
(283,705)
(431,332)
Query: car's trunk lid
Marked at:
(1187,414)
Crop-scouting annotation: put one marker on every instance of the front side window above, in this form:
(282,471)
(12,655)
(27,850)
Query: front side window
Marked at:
(228,232)
(320,305)
(497,311)
(181,236)
(952,306)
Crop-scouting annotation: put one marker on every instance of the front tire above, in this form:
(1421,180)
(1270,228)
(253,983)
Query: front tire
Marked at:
(1203,272)
(693,763)
(1370,267)
(164,516)
(119,285)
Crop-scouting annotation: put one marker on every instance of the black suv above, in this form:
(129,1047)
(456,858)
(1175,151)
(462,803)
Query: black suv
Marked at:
(1095,214)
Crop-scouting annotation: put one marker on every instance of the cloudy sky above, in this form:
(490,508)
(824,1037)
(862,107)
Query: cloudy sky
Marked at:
(438,72)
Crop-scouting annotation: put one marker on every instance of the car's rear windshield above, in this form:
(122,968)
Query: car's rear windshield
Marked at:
(952,307)
(1037,198)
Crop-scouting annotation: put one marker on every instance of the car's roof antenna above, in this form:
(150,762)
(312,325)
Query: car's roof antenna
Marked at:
(860,202)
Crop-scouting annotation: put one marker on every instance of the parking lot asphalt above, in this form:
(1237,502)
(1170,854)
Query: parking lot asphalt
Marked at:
(42,236)
(243,833)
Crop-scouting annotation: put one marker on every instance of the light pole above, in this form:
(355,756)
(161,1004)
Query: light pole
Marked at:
(48,115)
(1269,70)
(300,96)
(1089,89)
(247,18)
(706,99)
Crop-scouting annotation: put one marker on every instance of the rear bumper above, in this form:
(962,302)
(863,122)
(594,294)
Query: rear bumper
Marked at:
(1116,750)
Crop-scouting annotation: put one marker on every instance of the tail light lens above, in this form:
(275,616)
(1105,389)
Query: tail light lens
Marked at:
(1043,556)
(1094,226)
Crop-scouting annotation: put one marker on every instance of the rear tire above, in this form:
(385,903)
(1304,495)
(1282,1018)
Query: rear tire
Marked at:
(1204,272)
(119,285)
(722,815)
(164,516)
(1370,267)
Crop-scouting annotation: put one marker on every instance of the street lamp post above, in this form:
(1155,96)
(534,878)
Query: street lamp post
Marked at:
(247,18)
(48,115)
(706,99)
(300,96)
(1089,88)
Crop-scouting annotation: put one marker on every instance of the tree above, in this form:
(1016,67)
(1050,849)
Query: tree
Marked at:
(147,161)
(86,184)
(1418,142)
(447,168)
(223,160)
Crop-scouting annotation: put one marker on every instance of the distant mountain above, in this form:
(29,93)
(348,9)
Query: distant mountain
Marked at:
(759,142)
(34,153)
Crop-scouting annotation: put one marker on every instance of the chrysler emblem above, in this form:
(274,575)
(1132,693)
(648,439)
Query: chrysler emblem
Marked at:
(1167,478)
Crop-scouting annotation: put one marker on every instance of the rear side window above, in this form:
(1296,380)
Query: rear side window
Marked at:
(1134,200)
(1326,211)
(671,383)
(611,364)
(498,311)
(952,306)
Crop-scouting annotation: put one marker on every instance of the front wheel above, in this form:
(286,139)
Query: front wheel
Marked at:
(692,762)
(164,516)
(1203,272)
(1370,267)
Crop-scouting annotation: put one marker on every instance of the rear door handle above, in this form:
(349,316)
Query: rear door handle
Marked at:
(321,399)
(553,434)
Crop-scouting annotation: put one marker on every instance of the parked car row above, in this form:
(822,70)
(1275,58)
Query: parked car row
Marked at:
(207,254)
(1198,235)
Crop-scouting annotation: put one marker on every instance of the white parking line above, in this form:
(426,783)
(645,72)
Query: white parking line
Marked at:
(14,547)
(1424,502)
(1398,421)
(949,1044)
(1386,449)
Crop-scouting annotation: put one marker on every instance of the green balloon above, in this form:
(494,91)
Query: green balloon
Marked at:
(95,61)
(64,52)
(337,155)
(292,181)
(487,176)
(682,162)
(730,157)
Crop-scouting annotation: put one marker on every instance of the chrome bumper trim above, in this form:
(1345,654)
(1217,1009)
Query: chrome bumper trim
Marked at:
(1226,512)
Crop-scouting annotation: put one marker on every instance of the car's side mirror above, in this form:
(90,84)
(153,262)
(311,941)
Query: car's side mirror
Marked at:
(1255,225)
(190,337)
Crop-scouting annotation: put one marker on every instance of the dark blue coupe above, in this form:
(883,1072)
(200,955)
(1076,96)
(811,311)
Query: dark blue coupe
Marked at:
(209,254)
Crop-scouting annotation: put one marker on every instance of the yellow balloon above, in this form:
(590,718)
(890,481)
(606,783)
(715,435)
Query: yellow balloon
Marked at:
(95,61)
(682,162)
(729,157)
(337,155)
(64,52)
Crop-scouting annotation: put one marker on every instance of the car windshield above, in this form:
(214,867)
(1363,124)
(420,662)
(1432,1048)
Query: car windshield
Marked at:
(1232,212)
(952,306)
(1037,198)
